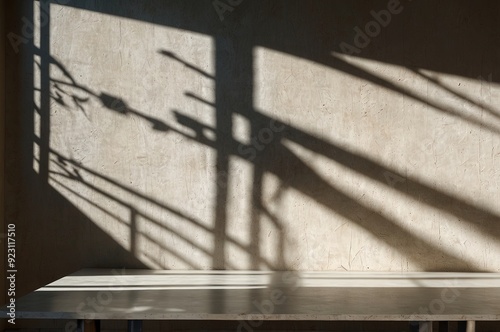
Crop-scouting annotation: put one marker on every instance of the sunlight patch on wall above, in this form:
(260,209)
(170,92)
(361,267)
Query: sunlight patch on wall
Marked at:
(403,156)
(36,157)
(381,209)
(128,141)
(241,129)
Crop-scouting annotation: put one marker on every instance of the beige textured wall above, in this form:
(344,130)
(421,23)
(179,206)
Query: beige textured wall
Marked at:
(163,137)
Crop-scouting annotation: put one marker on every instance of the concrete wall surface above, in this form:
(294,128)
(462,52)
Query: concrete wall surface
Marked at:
(323,135)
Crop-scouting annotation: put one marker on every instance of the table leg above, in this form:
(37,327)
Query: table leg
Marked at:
(443,327)
(87,325)
(97,325)
(421,327)
(135,326)
(425,327)
(468,326)
(80,325)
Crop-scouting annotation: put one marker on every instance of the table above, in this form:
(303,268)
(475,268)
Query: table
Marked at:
(250,297)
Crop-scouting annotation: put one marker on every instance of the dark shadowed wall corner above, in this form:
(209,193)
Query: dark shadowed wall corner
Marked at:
(2,141)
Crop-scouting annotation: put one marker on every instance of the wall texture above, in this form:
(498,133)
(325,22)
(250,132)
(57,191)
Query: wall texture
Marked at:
(326,135)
